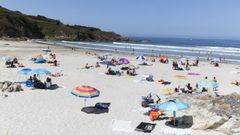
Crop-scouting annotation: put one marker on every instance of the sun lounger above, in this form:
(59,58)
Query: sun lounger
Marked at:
(145,127)
(120,125)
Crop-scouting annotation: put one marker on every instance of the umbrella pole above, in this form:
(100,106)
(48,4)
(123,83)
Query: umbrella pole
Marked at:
(174,118)
(85,100)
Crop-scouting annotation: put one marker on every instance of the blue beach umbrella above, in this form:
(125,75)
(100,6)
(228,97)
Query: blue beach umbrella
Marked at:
(140,57)
(109,63)
(24,71)
(172,105)
(40,71)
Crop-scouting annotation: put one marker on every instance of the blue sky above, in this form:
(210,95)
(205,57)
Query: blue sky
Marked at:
(157,18)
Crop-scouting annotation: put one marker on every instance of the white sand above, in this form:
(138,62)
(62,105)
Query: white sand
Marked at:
(58,112)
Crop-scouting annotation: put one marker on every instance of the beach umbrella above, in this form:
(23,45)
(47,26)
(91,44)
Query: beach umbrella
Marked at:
(109,63)
(207,84)
(40,71)
(24,71)
(85,92)
(140,57)
(124,61)
(172,105)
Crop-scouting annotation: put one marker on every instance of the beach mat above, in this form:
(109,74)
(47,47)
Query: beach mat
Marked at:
(123,126)
(145,127)
(176,131)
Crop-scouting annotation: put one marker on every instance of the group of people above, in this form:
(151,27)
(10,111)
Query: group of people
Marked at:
(36,83)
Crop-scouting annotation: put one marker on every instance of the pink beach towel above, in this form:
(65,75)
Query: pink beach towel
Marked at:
(197,74)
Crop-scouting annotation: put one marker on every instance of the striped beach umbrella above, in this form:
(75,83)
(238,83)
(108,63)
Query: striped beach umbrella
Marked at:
(140,57)
(85,92)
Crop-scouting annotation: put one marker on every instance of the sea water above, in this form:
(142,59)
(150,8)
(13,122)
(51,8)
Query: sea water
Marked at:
(227,50)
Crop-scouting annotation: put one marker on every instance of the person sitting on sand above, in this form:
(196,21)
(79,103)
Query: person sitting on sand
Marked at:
(189,88)
(35,78)
(237,83)
(214,79)
(196,63)
(187,66)
(97,65)
(110,71)
(216,64)
(30,79)
(87,66)
(48,82)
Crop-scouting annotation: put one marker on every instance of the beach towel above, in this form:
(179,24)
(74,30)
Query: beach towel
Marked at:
(195,74)
(175,131)
(123,126)
(145,127)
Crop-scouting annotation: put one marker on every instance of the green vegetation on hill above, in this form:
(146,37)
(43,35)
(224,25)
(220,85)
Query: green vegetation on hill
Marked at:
(14,24)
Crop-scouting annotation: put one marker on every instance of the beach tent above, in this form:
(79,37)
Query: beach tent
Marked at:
(40,60)
(172,105)
(109,63)
(85,92)
(140,57)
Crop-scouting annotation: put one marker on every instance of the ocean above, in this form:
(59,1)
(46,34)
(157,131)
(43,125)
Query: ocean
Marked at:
(205,49)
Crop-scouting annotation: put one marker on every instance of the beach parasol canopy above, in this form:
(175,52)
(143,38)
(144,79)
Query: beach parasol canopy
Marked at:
(109,63)
(140,57)
(24,71)
(40,71)
(124,61)
(85,91)
(172,105)
(207,84)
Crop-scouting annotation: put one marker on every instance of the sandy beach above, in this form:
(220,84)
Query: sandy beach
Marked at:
(58,112)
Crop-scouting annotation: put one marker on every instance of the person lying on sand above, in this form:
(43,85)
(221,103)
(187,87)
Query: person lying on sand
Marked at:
(237,83)
(58,74)
(145,64)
